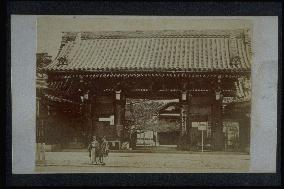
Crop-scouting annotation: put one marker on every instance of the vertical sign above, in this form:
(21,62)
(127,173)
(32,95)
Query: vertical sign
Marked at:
(183,120)
(111,122)
(183,96)
(117,95)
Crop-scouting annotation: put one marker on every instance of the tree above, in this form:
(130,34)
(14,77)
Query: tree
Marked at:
(143,115)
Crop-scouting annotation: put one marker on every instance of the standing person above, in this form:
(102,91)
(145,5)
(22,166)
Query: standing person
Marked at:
(103,150)
(93,150)
(90,151)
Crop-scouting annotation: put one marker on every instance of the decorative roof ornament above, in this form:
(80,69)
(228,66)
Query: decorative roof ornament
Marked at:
(233,45)
(78,37)
(235,59)
(247,41)
(62,61)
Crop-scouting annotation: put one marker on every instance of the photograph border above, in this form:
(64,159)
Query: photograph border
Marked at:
(168,8)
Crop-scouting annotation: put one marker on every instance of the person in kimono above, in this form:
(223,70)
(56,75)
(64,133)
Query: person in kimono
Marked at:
(94,150)
(103,152)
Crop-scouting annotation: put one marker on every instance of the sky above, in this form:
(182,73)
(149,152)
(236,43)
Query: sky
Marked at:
(50,28)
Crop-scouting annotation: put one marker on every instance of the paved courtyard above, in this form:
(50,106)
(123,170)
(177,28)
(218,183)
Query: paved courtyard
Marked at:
(78,162)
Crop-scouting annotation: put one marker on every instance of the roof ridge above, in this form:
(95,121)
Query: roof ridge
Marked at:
(151,34)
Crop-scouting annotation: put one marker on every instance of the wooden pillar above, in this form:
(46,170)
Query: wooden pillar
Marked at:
(87,100)
(40,145)
(184,140)
(218,135)
(89,117)
(119,114)
(40,132)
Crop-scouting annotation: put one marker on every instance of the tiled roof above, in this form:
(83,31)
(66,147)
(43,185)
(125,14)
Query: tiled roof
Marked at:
(154,51)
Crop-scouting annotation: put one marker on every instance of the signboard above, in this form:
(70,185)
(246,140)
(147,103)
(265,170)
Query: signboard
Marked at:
(200,125)
(202,128)
(110,119)
(183,121)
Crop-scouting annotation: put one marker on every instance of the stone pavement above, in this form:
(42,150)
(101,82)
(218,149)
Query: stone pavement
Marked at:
(78,162)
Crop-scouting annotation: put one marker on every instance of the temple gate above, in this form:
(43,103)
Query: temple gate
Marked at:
(94,73)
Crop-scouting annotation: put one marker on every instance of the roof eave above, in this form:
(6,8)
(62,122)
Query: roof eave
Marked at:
(128,71)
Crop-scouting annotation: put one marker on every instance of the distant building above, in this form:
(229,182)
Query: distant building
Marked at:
(147,138)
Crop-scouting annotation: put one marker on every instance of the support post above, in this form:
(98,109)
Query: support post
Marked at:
(89,115)
(202,140)
(87,103)
(157,138)
(244,134)
(218,135)
(184,140)
(42,149)
(119,113)
(40,143)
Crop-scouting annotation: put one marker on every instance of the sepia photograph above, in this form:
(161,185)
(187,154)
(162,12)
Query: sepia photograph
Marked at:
(143,95)
(105,93)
